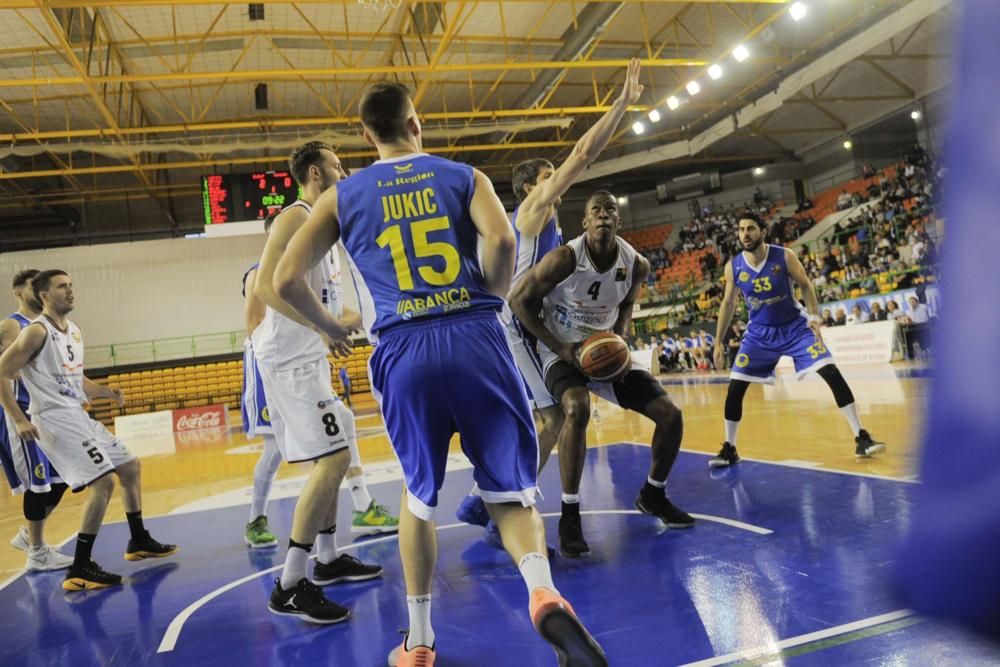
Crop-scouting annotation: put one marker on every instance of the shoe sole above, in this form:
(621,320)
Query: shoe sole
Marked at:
(572,643)
(260,545)
(77,584)
(307,618)
(373,530)
(721,464)
(642,508)
(50,568)
(347,579)
(143,555)
(874,449)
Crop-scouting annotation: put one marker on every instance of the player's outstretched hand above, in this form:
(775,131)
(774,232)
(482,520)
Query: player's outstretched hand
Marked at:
(117,396)
(339,347)
(26,430)
(633,89)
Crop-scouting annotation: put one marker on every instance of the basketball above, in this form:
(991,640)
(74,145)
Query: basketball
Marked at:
(604,356)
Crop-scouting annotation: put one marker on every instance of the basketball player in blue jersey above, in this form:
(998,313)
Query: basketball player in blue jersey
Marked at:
(579,289)
(778,326)
(368,518)
(539,188)
(410,224)
(309,420)
(28,470)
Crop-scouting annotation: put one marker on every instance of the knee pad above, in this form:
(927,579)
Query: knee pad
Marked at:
(841,392)
(53,497)
(34,506)
(734,399)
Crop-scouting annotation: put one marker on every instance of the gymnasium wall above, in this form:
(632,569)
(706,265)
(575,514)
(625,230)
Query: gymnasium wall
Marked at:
(129,292)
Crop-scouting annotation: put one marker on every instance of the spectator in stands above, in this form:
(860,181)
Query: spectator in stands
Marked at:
(867,171)
(805,204)
(345,380)
(844,201)
(841,318)
(857,315)
(919,314)
(892,310)
(878,314)
(828,318)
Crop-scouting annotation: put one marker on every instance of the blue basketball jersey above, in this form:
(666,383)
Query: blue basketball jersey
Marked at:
(405,225)
(767,288)
(20,391)
(530,250)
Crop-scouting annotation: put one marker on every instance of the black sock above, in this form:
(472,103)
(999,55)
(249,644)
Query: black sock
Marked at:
(650,490)
(569,509)
(135,525)
(329,531)
(84,547)
(292,544)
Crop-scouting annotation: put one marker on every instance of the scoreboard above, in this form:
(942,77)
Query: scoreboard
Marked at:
(243,197)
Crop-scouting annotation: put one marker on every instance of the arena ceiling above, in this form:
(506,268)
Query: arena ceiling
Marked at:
(111,111)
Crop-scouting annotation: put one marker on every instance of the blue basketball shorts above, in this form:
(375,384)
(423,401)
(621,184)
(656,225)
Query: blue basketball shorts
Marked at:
(764,345)
(253,404)
(26,467)
(456,374)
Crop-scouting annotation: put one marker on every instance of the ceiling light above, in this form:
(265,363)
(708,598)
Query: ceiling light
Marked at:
(797,11)
(623,200)
(848,144)
(741,53)
(715,72)
(654,115)
(638,127)
(915,114)
(693,88)
(673,102)
(758,171)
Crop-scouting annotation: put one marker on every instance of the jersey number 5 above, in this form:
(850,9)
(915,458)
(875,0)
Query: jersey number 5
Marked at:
(392,237)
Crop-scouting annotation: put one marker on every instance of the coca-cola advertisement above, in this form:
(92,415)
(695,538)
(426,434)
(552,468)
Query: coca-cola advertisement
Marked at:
(201,417)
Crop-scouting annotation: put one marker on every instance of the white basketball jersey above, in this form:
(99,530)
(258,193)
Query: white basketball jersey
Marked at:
(587,301)
(55,376)
(280,341)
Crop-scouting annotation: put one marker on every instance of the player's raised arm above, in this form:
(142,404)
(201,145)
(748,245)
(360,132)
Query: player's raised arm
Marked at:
(726,309)
(308,244)
(535,210)
(798,274)
(284,227)
(24,348)
(527,296)
(639,273)
(499,245)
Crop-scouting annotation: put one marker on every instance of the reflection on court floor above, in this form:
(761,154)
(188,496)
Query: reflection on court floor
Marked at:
(783,558)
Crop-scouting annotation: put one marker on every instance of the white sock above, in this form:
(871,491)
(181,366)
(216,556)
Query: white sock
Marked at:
(659,485)
(263,477)
(421,633)
(851,412)
(326,546)
(535,569)
(571,498)
(295,565)
(731,428)
(359,493)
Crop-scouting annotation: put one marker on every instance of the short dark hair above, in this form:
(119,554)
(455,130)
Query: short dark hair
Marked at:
(43,281)
(526,173)
(605,193)
(269,220)
(757,220)
(383,111)
(304,157)
(22,278)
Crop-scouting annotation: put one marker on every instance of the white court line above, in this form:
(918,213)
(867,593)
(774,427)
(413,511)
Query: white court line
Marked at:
(173,631)
(776,647)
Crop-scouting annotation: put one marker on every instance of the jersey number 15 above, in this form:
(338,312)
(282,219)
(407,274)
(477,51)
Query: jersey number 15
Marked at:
(392,237)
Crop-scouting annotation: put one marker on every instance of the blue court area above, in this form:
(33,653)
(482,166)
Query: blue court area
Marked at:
(785,563)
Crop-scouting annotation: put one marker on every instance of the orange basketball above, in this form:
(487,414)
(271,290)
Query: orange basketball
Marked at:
(604,356)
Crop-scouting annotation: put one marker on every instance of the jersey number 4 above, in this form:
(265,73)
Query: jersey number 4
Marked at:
(392,237)
(595,290)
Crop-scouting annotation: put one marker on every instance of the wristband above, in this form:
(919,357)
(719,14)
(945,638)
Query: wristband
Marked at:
(814,318)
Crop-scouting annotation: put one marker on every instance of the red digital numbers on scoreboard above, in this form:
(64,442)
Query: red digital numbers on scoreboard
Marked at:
(216,196)
(242,197)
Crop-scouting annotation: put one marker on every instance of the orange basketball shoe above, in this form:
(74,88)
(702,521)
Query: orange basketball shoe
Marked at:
(557,623)
(418,656)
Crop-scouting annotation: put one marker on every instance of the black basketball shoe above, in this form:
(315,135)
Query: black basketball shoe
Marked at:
(344,568)
(656,504)
(306,600)
(571,542)
(89,577)
(866,446)
(147,547)
(727,456)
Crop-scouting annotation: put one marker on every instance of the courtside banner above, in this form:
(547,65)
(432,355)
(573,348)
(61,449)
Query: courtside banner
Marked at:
(201,417)
(147,434)
(869,343)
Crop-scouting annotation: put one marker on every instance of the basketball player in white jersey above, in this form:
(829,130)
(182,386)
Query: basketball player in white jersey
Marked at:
(28,470)
(48,354)
(310,421)
(539,188)
(369,517)
(577,290)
